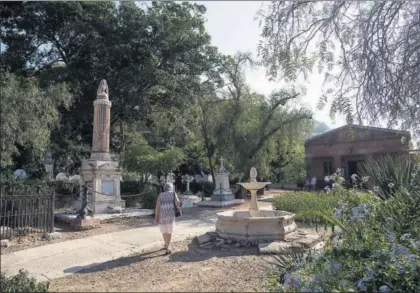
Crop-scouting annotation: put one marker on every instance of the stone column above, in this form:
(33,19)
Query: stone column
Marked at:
(101,124)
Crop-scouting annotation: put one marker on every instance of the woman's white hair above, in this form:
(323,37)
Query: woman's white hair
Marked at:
(168,187)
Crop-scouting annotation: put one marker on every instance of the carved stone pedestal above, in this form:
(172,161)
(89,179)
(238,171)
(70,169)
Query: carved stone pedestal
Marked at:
(86,223)
(103,178)
(222,191)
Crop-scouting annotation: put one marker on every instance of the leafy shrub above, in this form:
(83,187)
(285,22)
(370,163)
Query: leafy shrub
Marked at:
(376,250)
(308,206)
(148,200)
(208,189)
(21,283)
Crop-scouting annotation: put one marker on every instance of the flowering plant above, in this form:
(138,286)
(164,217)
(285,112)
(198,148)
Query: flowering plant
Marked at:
(376,250)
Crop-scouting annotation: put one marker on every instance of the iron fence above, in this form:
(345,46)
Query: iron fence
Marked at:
(24,214)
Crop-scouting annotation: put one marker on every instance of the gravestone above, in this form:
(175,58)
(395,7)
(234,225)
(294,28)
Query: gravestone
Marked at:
(49,165)
(75,178)
(61,177)
(222,192)
(100,173)
(20,174)
(188,198)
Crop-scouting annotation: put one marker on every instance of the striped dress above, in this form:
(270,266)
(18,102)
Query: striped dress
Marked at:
(166,212)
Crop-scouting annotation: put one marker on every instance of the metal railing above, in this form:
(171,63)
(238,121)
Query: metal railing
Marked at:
(25,214)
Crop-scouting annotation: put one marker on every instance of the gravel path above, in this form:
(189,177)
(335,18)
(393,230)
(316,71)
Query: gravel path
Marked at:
(188,269)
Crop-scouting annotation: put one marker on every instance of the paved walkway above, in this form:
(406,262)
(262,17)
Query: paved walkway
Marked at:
(60,259)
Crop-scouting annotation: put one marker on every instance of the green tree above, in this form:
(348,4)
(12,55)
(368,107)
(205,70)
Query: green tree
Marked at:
(251,121)
(368,51)
(28,115)
(151,58)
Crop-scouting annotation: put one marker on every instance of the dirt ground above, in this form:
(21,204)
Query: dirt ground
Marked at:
(188,269)
(35,240)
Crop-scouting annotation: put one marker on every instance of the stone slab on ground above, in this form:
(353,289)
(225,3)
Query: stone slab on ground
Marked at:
(4,243)
(277,247)
(203,239)
(85,224)
(69,216)
(60,259)
(219,204)
(299,238)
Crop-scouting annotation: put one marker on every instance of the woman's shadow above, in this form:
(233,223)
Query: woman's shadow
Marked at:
(120,262)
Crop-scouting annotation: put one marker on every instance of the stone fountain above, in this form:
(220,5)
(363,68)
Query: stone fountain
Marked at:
(255,224)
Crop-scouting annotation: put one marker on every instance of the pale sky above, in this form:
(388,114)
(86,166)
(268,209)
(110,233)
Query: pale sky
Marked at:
(232,27)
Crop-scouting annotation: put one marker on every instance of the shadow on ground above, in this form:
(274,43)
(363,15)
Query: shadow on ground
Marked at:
(120,262)
(193,254)
(197,254)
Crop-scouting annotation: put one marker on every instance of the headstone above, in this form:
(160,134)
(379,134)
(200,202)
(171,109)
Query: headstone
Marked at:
(61,177)
(49,165)
(75,178)
(222,167)
(20,174)
(222,192)
(170,178)
(188,180)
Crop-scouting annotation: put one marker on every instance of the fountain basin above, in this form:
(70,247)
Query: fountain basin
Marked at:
(254,225)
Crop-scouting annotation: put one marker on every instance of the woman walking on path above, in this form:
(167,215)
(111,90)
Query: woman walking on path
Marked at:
(165,213)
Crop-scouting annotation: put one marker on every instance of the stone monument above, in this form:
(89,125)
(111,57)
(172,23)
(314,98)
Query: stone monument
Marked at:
(222,195)
(100,174)
(49,165)
(188,199)
(222,191)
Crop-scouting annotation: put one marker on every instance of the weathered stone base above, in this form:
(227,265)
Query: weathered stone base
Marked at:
(85,224)
(188,201)
(299,239)
(69,216)
(253,225)
(223,197)
(101,207)
(219,204)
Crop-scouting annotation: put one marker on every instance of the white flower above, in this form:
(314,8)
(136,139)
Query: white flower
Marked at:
(353,177)
(365,179)
(327,179)
(338,171)
(390,185)
(376,189)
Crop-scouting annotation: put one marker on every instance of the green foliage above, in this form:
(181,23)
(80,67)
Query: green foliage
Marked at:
(377,249)
(297,38)
(145,160)
(208,188)
(21,283)
(152,59)
(308,206)
(148,201)
(28,115)
(390,173)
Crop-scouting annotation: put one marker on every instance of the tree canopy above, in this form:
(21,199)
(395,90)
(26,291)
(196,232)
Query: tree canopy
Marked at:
(368,51)
(177,103)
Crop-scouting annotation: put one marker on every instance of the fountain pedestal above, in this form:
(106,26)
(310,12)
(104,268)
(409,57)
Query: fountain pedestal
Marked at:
(255,224)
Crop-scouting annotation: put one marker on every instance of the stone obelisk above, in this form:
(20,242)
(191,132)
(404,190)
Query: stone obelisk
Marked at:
(100,174)
(101,124)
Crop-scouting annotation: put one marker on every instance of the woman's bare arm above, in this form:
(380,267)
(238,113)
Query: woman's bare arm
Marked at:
(157,209)
(177,202)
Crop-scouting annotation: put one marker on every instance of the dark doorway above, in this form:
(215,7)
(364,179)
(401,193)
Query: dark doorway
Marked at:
(354,167)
